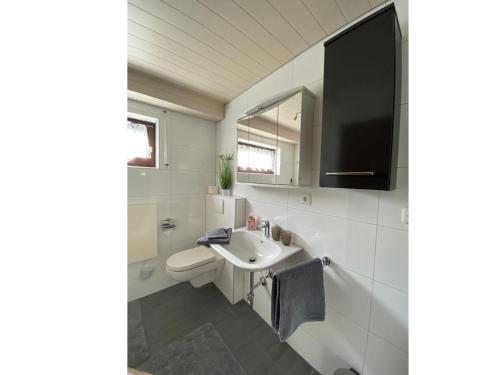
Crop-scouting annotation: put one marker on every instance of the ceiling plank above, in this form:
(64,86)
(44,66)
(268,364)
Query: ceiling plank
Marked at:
(154,65)
(141,17)
(182,22)
(157,71)
(240,19)
(219,26)
(375,3)
(196,72)
(327,13)
(353,8)
(189,55)
(274,22)
(299,17)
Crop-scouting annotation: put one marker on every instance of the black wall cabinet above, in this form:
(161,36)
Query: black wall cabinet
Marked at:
(361,104)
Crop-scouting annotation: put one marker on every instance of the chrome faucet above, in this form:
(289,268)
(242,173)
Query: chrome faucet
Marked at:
(265,225)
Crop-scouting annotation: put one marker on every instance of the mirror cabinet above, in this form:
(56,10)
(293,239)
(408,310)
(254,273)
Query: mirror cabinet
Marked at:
(274,141)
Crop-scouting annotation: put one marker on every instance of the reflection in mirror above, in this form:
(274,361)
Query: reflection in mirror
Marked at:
(289,122)
(258,153)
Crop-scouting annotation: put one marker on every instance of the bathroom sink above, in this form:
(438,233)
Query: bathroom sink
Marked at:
(252,251)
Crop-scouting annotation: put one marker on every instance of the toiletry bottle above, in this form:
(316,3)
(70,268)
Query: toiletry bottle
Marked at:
(251,223)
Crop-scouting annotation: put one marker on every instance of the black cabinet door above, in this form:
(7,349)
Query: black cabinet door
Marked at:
(360,109)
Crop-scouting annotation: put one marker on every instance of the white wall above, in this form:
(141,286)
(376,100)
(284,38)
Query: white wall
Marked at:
(178,190)
(366,324)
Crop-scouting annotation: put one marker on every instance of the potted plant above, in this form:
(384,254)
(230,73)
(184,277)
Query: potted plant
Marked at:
(225,173)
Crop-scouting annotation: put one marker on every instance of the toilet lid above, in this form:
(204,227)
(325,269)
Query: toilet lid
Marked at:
(188,259)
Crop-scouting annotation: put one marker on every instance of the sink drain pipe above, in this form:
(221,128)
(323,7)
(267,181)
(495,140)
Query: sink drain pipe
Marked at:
(262,281)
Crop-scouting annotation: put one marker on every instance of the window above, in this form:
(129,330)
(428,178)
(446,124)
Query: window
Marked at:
(253,158)
(141,141)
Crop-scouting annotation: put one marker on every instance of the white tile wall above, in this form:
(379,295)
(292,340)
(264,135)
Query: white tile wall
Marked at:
(308,66)
(191,159)
(391,203)
(187,206)
(366,326)
(187,231)
(340,336)
(280,80)
(320,356)
(383,358)
(348,293)
(267,211)
(316,88)
(178,190)
(391,261)
(316,152)
(148,182)
(191,131)
(389,316)
(360,205)
(191,182)
(351,244)
(263,194)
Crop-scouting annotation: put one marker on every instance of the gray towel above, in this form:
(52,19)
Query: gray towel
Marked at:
(220,241)
(298,296)
(217,233)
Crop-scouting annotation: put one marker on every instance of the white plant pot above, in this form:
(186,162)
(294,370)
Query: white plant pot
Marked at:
(226,192)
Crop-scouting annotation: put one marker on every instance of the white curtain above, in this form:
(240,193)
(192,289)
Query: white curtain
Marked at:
(255,159)
(137,141)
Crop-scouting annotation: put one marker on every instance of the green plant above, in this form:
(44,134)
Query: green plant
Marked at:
(225,171)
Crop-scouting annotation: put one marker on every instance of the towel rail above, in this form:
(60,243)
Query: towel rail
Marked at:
(326,261)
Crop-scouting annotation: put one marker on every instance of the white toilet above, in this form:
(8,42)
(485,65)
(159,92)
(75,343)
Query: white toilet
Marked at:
(199,265)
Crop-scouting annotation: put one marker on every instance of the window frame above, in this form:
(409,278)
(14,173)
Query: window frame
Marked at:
(147,120)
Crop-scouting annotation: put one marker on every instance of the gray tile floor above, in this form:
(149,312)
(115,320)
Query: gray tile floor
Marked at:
(173,312)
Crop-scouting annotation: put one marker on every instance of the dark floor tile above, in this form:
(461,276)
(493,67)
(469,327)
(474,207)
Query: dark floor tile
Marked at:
(261,367)
(164,295)
(176,311)
(146,366)
(278,350)
(288,362)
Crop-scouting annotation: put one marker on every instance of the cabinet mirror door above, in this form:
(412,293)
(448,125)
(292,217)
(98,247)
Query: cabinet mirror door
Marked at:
(288,146)
(257,154)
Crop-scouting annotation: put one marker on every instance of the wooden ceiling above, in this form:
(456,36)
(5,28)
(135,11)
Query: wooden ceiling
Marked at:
(220,48)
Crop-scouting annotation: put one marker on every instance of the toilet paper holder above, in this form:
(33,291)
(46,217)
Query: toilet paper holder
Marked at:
(167,224)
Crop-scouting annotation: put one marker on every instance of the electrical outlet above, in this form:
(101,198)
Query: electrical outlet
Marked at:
(404,216)
(306,199)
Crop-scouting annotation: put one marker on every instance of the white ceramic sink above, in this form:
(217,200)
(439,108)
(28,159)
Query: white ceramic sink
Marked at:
(252,251)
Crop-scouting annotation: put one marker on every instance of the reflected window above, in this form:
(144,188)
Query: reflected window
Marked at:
(257,158)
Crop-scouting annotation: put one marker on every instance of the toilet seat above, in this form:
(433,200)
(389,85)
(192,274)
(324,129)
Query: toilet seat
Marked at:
(189,259)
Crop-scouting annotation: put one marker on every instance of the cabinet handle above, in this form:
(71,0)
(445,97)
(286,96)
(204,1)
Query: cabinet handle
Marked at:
(349,173)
